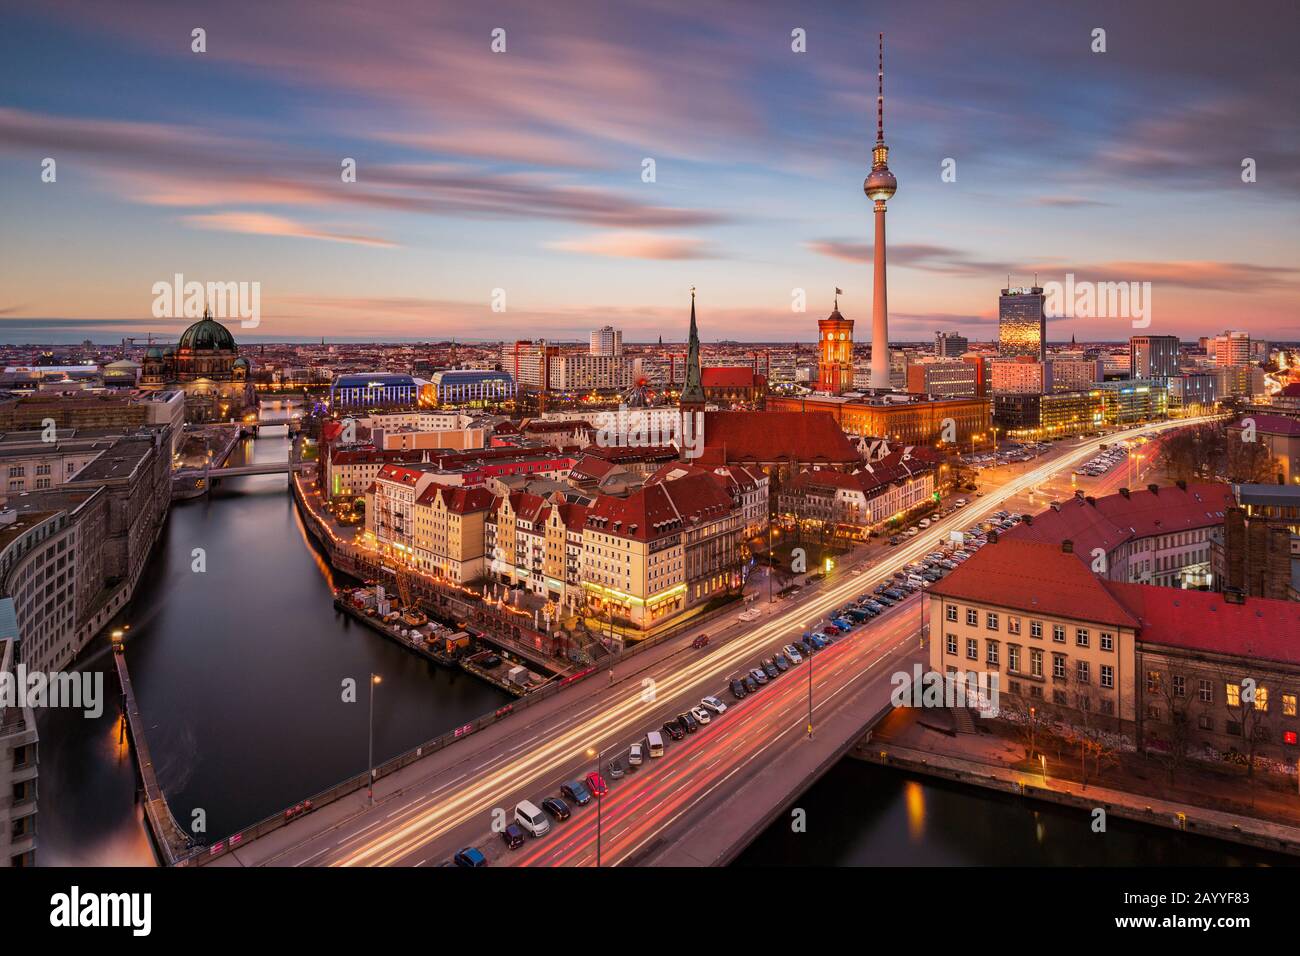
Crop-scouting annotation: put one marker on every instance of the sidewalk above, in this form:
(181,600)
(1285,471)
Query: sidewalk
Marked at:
(1128,790)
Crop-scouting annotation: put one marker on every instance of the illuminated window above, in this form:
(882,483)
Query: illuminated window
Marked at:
(1261,698)
(1288,705)
(1234,695)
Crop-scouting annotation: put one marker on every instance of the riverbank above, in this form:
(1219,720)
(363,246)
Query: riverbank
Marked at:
(988,760)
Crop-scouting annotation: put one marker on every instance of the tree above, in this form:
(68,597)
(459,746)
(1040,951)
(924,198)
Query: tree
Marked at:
(1172,695)
(1247,707)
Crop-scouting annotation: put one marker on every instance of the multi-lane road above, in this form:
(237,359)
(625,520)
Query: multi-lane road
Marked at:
(461,796)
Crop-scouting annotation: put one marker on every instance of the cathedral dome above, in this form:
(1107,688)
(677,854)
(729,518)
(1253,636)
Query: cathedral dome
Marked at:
(207,335)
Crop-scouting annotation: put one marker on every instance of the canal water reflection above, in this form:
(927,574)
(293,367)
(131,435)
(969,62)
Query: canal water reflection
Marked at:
(863,814)
(239,671)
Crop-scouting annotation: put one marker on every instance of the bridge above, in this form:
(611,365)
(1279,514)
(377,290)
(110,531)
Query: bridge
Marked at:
(236,471)
(704,800)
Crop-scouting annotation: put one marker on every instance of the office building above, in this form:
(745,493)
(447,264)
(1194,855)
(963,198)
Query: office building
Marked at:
(1022,323)
(1153,356)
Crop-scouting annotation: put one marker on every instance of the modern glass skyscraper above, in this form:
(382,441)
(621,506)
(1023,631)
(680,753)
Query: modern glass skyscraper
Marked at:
(1153,356)
(1022,323)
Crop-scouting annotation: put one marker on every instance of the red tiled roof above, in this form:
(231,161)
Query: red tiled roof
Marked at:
(621,454)
(458,498)
(662,509)
(373,456)
(1272,424)
(405,476)
(1110,521)
(590,466)
(727,376)
(1037,578)
(806,437)
(573,515)
(1261,628)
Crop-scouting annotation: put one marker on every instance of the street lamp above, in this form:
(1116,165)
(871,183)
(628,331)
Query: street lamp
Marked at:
(810,697)
(593,752)
(370,757)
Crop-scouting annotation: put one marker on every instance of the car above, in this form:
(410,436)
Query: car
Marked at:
(556,807)
(792,654)
(701,715)
(470,856)
(688,723)
(816,642)
(596,784)
(912,532)
(884,600)
(758,675)
(771,670)
(616,769)
(875,605)
(701,641)
(737,689)
(751,685)
(576,791)
(714,705)
(674,730)
(513,836)
(634,756)
(830,629)
(844,623)
(895,541)
(781,663)
(960,502)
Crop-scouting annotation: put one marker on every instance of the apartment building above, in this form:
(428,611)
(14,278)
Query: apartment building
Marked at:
(19,759)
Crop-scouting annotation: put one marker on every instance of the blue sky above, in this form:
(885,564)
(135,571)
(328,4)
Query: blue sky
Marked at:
(522,170)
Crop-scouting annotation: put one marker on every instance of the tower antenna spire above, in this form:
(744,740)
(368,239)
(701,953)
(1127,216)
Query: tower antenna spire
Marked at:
(880,93)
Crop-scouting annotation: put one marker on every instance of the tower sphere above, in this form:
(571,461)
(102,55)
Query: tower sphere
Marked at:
(880,184)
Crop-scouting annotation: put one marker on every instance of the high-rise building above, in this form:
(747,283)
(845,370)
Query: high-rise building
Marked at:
(880,185)
(1232,348)
(1020,376)
(1153,356)
(835,352)
(950,345)
(951,378)
(1022,323)
(607,341)
(1071,374)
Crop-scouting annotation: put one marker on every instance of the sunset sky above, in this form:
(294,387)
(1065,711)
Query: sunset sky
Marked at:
(522,170)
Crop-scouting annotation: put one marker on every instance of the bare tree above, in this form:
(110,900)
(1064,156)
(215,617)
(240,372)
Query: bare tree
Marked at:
(1247,706)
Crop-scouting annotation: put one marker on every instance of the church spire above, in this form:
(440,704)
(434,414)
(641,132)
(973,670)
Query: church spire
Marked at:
(693,390)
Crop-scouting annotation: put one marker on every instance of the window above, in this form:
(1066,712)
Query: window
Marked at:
(1035,628)
(972,617)
(1035,691)
(1232,728)
(1288,737)
(1107,706)
(1036,662)
(1206,692)
(1107,641)
(1153,682)
(1261,698)
(1058,666)
(1234,695)
(1288,705)
(1082,672)
(1058,633)
(952,644)
(1013,658)
(1180,686)
(1058,697)
(972,649)
(1204,722)
(1107,676)
(951,611)
(991,621)
(992,653)
(1081,637)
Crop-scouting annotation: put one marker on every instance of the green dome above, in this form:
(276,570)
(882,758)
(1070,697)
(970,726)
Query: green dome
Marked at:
(207,335)
(153,353)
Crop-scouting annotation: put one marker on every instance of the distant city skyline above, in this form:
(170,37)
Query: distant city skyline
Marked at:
(522,170)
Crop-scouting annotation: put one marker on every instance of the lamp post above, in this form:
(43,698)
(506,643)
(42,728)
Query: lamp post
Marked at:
(593,752)
(810,696)
(370,756)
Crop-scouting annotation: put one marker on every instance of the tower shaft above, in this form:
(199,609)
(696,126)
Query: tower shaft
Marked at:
(879,308)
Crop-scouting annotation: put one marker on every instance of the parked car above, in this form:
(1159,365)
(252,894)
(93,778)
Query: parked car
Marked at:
(674,730)
(770,669)
(576,791)
(556,808)
(470,856)
(714,705)
(513,836)
(817,643)
(596,784)
(751,685)
(737,689)
(701,715)
(792,654)
(616,769)
(830,629)
(689,723)
(757,674)
(634,756)
(781,663)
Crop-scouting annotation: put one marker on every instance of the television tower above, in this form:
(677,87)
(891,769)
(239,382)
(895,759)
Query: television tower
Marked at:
(879,186)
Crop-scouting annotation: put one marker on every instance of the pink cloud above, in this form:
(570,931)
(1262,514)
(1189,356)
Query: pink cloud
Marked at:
(264,224)
(637,245)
